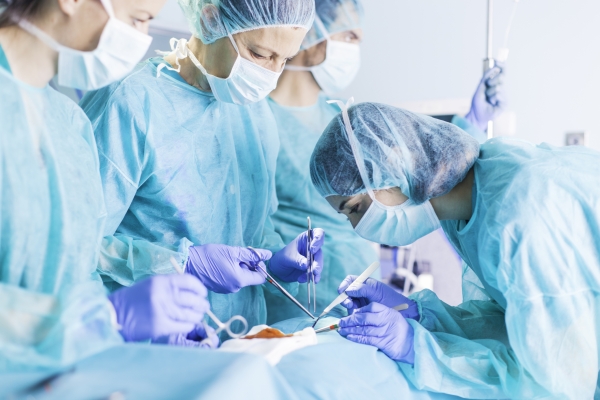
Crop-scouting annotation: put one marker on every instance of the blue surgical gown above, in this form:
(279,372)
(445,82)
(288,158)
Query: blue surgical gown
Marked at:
(344,252)
(534,244)
(53,307)
(179,167)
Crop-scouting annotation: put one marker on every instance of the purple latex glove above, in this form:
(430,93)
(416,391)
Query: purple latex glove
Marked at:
(290,263)
(191,339)
(489,99)
(373,291)
(382,327)
(160,306)
(221,268)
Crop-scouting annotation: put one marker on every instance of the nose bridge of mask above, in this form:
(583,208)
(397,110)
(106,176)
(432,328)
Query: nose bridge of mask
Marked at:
(108,7)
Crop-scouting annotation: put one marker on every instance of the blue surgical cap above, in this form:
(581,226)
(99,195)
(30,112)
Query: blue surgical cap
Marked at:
(211,20)
(424,157)
(334,16)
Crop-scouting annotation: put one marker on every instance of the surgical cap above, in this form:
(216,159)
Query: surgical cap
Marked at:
(211,20)
(424,157)
(334,16)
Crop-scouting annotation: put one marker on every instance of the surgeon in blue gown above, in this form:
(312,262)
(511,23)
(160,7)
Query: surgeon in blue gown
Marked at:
(188,148)
(53,307)
(524,217)
(329,61)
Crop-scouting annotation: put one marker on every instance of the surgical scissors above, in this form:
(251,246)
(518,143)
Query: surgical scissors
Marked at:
(220,325)
(310,275)
(255,266)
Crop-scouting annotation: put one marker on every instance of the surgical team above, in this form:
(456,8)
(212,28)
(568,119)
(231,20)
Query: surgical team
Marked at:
(211,156)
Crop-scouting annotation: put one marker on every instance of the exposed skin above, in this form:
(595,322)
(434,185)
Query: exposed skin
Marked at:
(269,47)
(299,88)
(454,205)
(77,24)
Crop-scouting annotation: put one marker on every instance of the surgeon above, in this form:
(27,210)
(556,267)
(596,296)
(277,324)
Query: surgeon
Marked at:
(188,148)
(329,61)
(526,220)
(53,306)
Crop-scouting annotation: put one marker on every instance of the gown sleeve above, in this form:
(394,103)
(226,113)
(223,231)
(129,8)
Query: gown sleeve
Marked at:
(54,331)
(464,351)
(549,273)
(119,128)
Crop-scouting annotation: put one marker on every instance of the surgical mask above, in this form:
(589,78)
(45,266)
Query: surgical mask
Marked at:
(341,65)
(398,225)
(390,225)
(120,48)
(247,83)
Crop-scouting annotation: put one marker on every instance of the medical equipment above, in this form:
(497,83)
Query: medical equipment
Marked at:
(362,277)
(220,325)
(257,267)
(489,61)
(328,328)
(310,275)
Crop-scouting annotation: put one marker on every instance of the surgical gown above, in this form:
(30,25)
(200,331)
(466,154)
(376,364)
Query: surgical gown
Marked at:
(344,251)
(53,307)
(534,243)
(179,167)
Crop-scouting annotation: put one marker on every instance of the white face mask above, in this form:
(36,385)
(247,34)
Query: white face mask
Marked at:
(247,83)
(398,225)
(341,65)
(120,48)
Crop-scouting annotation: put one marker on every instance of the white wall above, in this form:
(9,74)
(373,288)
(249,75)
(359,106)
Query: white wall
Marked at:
(433,49)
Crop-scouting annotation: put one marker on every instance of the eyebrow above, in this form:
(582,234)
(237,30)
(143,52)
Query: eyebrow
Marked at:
(342,205)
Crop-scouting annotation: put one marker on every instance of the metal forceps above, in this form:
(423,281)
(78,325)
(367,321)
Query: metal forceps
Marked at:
(255,266)
(220,325)
(224,327)
(310,275)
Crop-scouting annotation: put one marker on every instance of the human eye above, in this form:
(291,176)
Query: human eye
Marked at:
(256,55)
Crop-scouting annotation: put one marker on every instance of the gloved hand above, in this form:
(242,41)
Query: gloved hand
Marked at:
(489,99)
(373,291)
(290,263)
(192,339)
(221,268)
(160,306)
(382,327)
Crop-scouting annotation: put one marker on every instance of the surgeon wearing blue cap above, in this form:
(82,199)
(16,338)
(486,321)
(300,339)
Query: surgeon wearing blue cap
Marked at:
(188,148)
(329,61)
(526,220)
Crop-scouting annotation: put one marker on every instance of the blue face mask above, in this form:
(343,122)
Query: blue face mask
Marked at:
(397,225)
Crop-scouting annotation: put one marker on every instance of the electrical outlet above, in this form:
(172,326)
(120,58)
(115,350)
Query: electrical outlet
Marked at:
(575,139)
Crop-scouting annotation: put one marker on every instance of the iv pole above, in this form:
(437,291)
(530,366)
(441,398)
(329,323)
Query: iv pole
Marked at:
(490,62)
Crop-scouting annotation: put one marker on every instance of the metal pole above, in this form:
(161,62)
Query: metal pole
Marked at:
(489,62)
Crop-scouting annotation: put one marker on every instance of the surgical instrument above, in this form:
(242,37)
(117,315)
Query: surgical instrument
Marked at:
(220,325)
(361,279)
(310,275)
(255,266)
(328,328)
